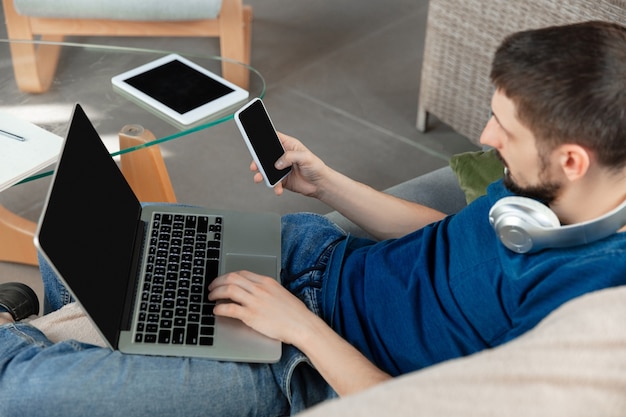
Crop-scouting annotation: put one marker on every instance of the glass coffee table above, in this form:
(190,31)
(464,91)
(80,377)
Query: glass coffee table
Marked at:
(83,75)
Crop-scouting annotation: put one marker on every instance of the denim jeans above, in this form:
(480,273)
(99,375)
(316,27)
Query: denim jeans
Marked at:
(70,378)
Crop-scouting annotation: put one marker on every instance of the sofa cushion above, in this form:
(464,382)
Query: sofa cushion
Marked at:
(148,10)
(572,364)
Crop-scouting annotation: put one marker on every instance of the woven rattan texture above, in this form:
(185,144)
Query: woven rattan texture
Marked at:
(461,37)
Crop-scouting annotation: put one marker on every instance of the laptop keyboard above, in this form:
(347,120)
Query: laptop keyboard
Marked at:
(183,259)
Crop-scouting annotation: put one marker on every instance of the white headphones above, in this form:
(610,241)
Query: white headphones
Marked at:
(525,225)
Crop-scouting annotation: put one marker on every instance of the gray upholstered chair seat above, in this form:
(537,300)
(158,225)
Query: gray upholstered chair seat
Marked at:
(147,10)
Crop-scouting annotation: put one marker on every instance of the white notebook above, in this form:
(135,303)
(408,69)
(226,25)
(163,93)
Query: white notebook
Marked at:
(25,149)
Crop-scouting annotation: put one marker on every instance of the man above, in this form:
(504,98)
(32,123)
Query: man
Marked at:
(434,287)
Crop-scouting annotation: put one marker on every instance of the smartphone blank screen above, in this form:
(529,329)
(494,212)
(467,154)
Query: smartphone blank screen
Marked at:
(263,139)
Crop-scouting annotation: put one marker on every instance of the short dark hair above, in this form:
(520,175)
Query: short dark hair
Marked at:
(569,86)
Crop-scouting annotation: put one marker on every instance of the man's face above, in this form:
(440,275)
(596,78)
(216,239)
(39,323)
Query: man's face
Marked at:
(528,173)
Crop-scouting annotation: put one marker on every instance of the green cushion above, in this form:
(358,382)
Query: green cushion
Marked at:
(475,171)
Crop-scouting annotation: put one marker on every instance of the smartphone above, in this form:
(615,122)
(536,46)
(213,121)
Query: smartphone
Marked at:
(258,131)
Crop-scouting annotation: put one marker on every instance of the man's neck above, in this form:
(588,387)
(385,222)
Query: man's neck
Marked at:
(582,204)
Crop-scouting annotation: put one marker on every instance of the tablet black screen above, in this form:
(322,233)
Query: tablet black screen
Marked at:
(179,86)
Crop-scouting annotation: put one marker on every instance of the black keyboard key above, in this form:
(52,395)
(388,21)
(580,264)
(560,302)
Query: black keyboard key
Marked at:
(211,270)
(206,341)
(207,331)
(178,336)
(190,222)
(192,334)
(208,321)
(203,224)
(207,309)
(165,336)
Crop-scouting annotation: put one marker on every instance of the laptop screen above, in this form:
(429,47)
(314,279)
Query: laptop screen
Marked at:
(87,230)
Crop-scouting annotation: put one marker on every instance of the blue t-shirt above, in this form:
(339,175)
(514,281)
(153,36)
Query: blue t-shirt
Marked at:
(452,289)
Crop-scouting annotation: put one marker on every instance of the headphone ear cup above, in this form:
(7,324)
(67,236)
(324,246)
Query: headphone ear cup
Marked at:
(518,220)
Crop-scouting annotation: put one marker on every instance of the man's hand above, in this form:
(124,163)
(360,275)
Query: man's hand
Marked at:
(261,303)
(308,171)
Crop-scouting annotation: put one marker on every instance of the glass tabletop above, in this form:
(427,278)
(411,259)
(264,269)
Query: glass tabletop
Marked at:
(83,75)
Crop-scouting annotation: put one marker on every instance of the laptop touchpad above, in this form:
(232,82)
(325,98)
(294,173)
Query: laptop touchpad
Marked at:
(260,264)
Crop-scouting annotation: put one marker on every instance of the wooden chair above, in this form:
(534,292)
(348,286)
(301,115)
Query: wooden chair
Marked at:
(144,169)
(34,66)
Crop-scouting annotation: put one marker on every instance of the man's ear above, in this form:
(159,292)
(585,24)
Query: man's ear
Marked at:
(575,160)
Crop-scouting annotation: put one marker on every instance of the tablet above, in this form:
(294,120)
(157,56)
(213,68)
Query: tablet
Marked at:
(179,90)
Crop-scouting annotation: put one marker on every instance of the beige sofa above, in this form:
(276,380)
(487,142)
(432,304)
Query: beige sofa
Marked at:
(572,364)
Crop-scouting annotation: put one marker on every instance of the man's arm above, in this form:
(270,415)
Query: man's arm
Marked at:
(382,215)
(263,304)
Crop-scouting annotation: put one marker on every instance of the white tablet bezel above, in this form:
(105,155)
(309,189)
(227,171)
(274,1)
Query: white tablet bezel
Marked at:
(193,116)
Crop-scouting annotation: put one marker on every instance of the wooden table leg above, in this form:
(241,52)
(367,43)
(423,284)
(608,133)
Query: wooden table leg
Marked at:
(16,238)
(145,168)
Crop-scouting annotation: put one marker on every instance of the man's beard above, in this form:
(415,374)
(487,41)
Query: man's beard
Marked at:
(546,191)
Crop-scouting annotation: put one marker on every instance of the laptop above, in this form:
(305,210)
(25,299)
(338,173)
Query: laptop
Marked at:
(141,272)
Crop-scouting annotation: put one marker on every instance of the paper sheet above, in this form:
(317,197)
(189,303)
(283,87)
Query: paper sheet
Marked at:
(20,159)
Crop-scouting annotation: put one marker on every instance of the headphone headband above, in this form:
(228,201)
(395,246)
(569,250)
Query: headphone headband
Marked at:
(525,225)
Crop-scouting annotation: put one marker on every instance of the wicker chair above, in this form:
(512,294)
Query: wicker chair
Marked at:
(461,38)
